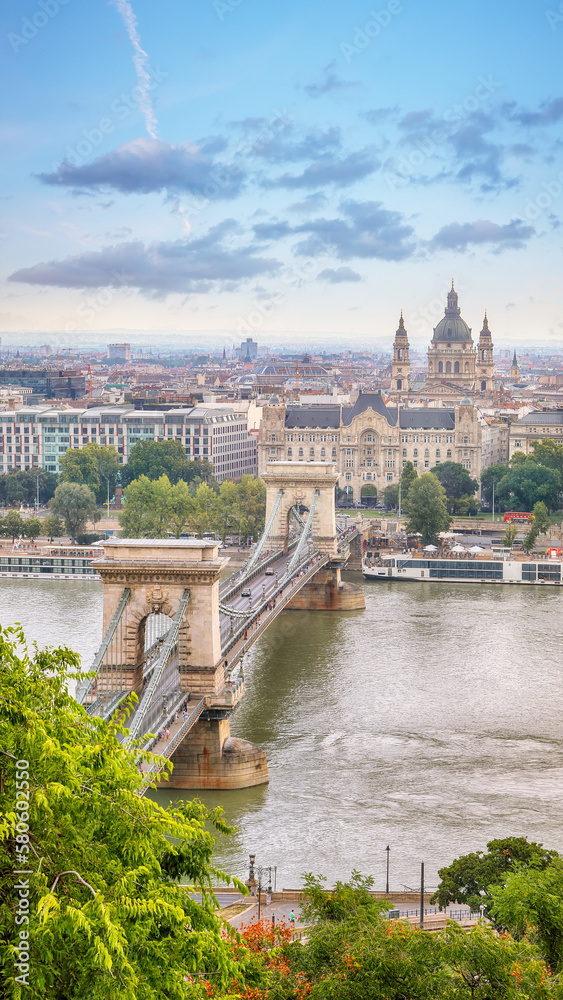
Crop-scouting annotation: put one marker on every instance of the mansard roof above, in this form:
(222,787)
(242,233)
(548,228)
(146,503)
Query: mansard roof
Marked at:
(366,401)
(312,416)
(427,419)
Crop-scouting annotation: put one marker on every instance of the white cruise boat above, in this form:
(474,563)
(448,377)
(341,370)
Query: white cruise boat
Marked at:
(486,567)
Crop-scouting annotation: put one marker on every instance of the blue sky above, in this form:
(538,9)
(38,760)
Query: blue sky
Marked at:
(280,169)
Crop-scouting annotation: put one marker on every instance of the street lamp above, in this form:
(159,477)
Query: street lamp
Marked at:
(256,884)
(387,849)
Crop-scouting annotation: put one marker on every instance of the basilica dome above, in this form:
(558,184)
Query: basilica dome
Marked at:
(452,328)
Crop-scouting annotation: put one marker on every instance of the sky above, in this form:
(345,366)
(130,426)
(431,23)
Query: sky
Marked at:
(289,171)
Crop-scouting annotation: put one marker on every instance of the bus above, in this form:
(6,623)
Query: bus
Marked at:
(518,517)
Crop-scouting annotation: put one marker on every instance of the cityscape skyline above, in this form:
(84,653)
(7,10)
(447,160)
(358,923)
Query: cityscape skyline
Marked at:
(281,175)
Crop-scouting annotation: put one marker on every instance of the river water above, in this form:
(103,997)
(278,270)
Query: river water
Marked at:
(431,722)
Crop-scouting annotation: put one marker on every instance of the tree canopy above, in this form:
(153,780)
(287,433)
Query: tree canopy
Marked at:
(91,466)
(155,507)
(76,505)
(468,878)
(526,483)
(20,486)
(489,476)
(425,505)
(154,459)
(408,477)
(455,479)
(107,916)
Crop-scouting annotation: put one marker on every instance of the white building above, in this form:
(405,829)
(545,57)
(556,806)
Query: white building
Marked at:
(36,437)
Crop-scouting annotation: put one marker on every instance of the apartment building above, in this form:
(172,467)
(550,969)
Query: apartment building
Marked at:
(35,437)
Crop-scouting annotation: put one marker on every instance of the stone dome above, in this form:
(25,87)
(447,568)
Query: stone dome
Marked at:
(452,328)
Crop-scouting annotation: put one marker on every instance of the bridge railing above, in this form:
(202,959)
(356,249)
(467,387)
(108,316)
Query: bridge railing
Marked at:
(172,746)
(312,564)
(228,593)
(109,656)
(172,637)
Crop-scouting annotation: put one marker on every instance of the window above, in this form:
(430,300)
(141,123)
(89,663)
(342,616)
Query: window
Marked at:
(449,453)
(427,453)
(517,444)
(300,452)
(448,367)
(456,368)
(415,463)
(323,452)
(440,367)
(415,452)
(348,477)
(404,452)
(437,453)
(289,452)
(389,478)
(311,452)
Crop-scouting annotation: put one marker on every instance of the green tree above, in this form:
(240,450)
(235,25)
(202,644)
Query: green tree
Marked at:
(538,526)
(78,465)
(12,525)
(425,506)
(550,454)
(107,915)
(455,479)
(490,476)
(391,496)
(32,527)
(510,534)
(530,903)
(408,476)
(526,483)
(181,505)
(154,459)
(140,517)
(76,504)
(92,465)
(468,878)
(205,510)
(53,527)
(463,506)
(252,506)
(20,486)
(228,510)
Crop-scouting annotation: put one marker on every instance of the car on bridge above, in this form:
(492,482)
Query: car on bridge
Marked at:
(269,571)
(246,592)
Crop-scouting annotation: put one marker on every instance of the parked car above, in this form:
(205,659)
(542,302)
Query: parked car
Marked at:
(246,592)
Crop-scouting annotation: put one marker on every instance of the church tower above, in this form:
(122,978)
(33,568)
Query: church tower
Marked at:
(485,366)
(401,368)
(514,369)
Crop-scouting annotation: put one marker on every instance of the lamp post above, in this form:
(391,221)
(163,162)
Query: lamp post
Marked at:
(255,883)
(387,849)
(421,921)
(493,501)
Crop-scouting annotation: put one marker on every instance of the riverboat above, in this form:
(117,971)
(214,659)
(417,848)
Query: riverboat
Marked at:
(486,567)
(53,562)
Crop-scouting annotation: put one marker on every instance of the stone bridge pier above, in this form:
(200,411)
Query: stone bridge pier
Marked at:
(310,486)
(157,572)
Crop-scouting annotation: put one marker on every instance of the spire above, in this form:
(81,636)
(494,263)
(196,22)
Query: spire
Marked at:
(485,332)
(401,331)
(452,308)
(514,360)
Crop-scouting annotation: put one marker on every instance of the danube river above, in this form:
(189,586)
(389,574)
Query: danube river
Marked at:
(431,722)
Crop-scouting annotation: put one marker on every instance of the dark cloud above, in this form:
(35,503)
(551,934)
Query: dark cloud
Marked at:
(288,146)
(146,165)
(272,230)
(339,274)
(548,113)
(366,230)
(330,82)
(377,115)
(159,268)
(340,171)
(310,203)
(462,236)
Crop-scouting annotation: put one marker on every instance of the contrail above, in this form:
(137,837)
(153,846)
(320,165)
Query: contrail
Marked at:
(140,59)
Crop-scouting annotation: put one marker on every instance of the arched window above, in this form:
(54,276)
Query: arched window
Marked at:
(312,452)
(334,452)
(415,452)
(399,383)
(440,366)
(483,386)
(449,453)
(400,354)
(456,368)
(323,452)
(448,367)
(289,452)
(426,453)
(301,453)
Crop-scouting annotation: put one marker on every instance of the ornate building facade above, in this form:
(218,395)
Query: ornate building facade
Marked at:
(455,365)
(370,442)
